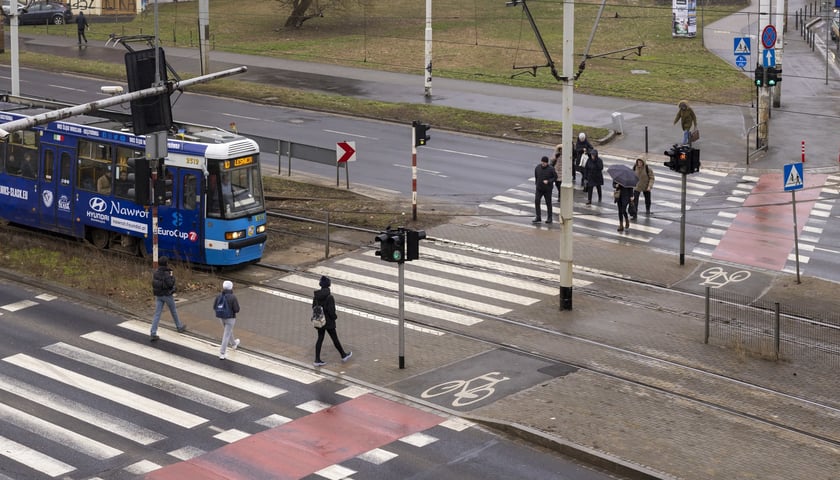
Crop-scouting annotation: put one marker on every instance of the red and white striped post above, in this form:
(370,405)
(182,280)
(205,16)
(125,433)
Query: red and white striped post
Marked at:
(803,151)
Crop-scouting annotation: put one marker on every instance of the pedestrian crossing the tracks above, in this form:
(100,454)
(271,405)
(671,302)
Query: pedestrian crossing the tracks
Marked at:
(601,218)
(448,284)
(107,404)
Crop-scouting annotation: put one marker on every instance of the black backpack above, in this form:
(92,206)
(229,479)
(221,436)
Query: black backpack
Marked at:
(222,307)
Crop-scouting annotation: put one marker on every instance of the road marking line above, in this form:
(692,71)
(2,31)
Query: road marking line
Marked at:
(33,458)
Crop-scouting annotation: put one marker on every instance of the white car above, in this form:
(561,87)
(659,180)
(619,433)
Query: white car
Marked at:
(6,3)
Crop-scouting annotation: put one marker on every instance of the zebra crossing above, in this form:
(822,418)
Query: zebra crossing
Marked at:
(448,283)
(110,405)
(600,218)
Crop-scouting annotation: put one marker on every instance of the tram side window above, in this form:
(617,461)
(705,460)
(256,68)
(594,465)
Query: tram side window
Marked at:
(94,167)
(48,165)
(22,156)
(66,167)
(190,200)
(124,177)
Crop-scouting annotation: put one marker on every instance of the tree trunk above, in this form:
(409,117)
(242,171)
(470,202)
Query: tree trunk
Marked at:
(298,15)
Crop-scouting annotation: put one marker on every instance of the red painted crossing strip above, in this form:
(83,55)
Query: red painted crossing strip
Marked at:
(304,446)
(762,236)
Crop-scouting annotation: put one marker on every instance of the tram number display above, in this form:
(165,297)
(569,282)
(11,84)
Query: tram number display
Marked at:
(238,162)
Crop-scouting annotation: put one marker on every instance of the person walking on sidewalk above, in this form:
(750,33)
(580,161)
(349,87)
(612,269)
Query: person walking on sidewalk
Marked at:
(544,178)
(81,25)
(645,184)
(623,196)
(687,119)
(593,175)
(226,306)
(163,287)
(325,299)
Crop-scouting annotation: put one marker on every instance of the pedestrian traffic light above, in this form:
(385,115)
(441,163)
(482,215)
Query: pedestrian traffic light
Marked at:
(421,135)
(672,154)
(693,160)
(412,244)
(759,76)
(774,76)
(163,187)
(142,180)
(683,159)
(391,246)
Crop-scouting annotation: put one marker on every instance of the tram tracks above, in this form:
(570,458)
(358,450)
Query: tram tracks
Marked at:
(663,374)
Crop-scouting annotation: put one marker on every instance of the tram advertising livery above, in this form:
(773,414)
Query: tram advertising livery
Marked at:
(77,177)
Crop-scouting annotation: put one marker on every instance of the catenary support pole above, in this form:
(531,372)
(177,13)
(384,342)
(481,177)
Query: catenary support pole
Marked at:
(567,186)
(428,49)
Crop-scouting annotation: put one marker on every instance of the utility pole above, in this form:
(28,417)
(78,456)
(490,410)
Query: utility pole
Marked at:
(203,34)
(428,49)
(567,186)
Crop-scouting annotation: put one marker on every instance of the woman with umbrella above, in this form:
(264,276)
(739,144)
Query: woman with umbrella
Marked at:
(624,180)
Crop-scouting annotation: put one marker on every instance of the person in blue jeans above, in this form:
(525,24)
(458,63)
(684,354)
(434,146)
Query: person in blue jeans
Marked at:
(163,287)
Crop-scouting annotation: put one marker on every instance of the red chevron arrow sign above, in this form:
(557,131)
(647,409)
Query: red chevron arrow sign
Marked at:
(345,152)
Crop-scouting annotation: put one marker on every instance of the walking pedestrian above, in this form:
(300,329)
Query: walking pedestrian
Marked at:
(544,178)
(623,196)
(226,306)
(644,186)
(81,25)
(594,175)
(557,163)
(687,119)
(582,146)
(325,299)
(163,287)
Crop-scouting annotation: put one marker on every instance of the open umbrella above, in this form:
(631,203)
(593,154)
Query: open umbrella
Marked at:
(623,175)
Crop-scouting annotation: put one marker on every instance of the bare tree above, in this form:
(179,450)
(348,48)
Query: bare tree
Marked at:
(302,10)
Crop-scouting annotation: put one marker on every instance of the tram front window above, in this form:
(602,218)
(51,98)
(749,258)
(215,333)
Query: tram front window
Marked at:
(235,192)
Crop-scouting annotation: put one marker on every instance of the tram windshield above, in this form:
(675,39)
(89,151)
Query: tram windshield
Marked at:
(234,192)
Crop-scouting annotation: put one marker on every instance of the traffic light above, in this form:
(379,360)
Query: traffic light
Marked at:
(398,255)
(421,133)
(391,246)
(693,160)
(142,179)
(412,244)
(774,76)
(759,75)
(163,187)
(672,154)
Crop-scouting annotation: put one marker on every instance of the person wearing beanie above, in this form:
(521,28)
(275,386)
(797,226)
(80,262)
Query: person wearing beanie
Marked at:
(593,175)
(228,318)
(325,298)
(163,287)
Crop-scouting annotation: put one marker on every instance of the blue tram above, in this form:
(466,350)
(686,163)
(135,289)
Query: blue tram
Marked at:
(77,177)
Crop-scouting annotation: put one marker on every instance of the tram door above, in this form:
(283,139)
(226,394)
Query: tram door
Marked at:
(190,204)
(56,188)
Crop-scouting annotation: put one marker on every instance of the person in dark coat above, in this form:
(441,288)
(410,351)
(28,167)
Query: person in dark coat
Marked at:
(325,298)
(229,322)
(544,178)
(81,25)
(557,163)
(623,196)
(581,146)
(594,175)
(163,287)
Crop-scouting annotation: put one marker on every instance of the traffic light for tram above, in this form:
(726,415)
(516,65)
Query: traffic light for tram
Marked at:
(391,246)
(412,244)
(774,76)
(163,187)
(142,180)
(759,76)
(421,133)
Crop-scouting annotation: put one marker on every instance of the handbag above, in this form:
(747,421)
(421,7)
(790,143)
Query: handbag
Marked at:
(583,159)
(631,209)
(318,320)
(617,193)
(694,135)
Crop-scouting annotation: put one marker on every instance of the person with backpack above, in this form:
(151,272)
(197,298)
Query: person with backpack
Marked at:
(163,287)
(646,177)
(226,306)
(326,301)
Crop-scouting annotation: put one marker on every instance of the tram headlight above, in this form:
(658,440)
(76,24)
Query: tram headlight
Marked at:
(235,235)
(261,228)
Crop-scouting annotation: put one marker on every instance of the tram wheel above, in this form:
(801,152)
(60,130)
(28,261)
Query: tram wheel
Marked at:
(99,238)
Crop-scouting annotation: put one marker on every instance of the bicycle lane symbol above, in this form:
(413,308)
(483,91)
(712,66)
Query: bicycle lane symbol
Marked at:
(467,392)
(716,277)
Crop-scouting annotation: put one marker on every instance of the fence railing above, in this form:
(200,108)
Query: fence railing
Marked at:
(772,330)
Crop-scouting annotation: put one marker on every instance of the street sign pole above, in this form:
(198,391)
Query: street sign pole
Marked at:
(795,234)
(793,179)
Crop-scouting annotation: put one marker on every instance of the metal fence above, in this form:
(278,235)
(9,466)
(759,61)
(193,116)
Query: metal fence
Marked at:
(771,330)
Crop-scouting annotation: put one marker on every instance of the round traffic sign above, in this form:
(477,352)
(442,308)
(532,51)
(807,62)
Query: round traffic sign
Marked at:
(768,36)
(741,61)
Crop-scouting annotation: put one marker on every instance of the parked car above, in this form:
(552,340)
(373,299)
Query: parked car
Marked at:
(7,10)
(45,12)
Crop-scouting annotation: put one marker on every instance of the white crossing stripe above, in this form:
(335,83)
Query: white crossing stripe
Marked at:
(80,411)
(140,375)
(109,392)
(191,366)
(58,434)
(14,307)
(268,365)
(387,301)
(33,458)
(475,275)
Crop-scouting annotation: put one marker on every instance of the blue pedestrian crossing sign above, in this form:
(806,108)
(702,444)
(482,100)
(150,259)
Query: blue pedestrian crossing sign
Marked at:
(741,46)
(793,178)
